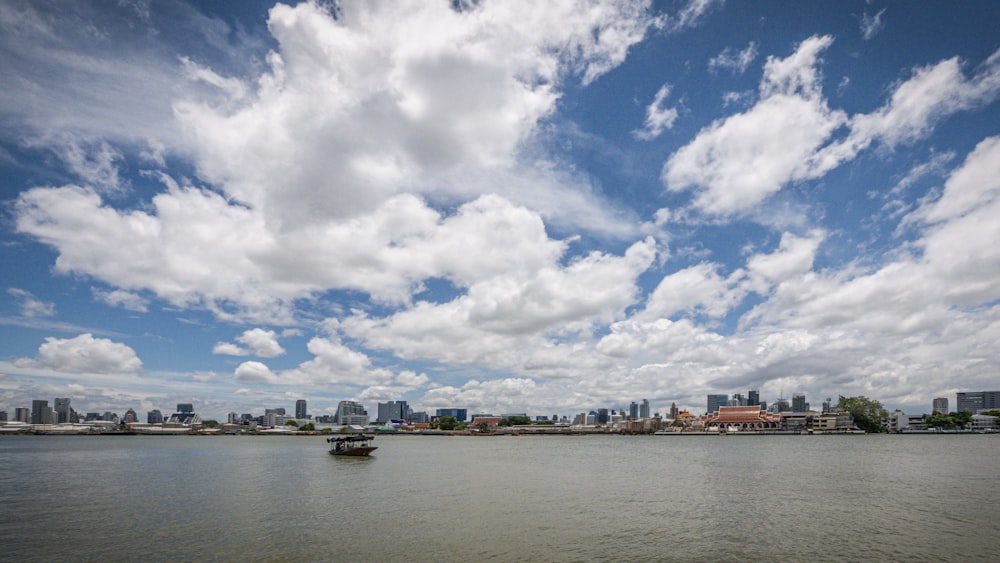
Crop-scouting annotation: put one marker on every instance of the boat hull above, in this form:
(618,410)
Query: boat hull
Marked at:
(356,452)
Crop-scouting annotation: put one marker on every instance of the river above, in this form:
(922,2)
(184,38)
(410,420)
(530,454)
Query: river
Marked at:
(509,498)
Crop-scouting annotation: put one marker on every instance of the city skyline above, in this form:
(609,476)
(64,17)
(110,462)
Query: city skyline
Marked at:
(542,207)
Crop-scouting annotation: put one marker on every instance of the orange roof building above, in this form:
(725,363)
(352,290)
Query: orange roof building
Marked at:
(744,418)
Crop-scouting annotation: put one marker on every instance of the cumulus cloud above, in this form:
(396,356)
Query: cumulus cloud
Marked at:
(789,134)
(124,299)
(257,342)
(389,108)
(86,354)
(254,372)
(658,118)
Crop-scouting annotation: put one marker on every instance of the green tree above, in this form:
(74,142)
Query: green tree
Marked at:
(447,423)
(308,427)
(868,413)
(994,412)
(516,421)
(210,423)
(292,423)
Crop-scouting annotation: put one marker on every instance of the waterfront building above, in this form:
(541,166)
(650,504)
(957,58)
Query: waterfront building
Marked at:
(975,401)
(419,417)
(348,409)
(22,414)
(63,412)
(899,421)
(753,398)
(940,405)
(185,416)
(154,417)
(459,414)
(715,401)
(742,418)
(300,409)
(799,403)
(393,410)
(185,408)
(41,412)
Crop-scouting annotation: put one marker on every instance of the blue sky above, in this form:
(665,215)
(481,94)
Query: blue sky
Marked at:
(506,207)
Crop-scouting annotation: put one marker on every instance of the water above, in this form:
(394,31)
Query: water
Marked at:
(553,498)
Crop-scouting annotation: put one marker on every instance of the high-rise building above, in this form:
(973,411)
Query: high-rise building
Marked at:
(3,416)
(348,412)
(673,411)
(644,409)
(459,414)
(633,410)
(185,408)
(799,402)
(828,405)
(154,417)
(940,405)
(41,412)
(393,410)
(738,400)
(602,416)
(22,414)
(63,411)
(300,409)
(753,398)
(715,401)
(130,417)
(974,401)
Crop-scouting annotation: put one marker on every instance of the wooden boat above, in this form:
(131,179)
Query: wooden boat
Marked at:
(360,445)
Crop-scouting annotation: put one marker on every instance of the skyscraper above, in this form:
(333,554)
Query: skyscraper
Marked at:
(300,409)
(974,401)
(753,398)
(715,401)
(41,412)
(673,411)
(633,411)
(459,414)
(154,417)
(799,402)
(393,410)
(940,404)
(644,409)
(63,411)
(348,410)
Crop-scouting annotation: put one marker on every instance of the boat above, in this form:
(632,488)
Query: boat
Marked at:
(360,445)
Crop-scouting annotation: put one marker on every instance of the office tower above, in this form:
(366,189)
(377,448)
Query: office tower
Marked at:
(644,409)
(63,411)
(975,401)
(41,412)
(828,405)
(799,402)
(22,414)
(3,416)
(130,417)
(346,410)
(940,405)
(393,410)
(753,398)
(673,411)
(738,400)
(633,411)
(154,417)
(715,401)
(185,408)
(459,414)
(300,409)
(602,416)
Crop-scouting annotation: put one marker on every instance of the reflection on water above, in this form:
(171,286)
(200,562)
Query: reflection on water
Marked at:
(556,498)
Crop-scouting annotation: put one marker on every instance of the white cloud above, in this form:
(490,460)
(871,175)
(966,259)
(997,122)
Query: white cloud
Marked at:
(658,118)
(692,14)
(257,341)
(124,299)
(418,97)
(254,372)
(737,162)
(86,354)
(871,25)
(30,305)
(736,62)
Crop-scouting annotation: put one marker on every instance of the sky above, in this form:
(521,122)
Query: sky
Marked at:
(540,207)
